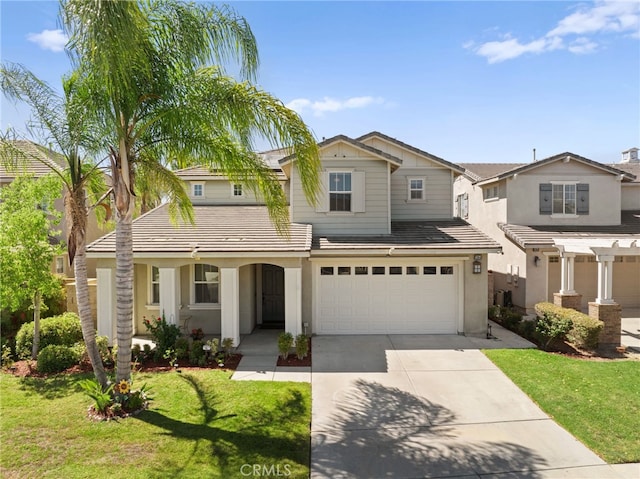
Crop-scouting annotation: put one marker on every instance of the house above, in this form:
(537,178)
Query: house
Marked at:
(380,253)
(569,228)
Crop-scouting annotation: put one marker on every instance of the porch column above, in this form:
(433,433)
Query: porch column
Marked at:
(567,273)
(293,300)
(230,304)
(105,302)
(169,280)
(605,280)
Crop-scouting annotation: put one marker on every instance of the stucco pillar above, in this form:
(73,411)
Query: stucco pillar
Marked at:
(169,279)
(567,273)
(105,303)
(605,280)
(230,304)
(293,300)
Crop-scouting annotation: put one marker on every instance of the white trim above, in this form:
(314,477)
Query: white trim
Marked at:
(150,303)
(423,189)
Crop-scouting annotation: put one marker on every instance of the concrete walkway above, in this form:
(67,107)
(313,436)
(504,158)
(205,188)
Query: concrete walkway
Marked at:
(433,406)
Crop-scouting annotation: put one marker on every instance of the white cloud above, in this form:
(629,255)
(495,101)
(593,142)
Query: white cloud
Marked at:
(601,17)
(54,40)
(327,104)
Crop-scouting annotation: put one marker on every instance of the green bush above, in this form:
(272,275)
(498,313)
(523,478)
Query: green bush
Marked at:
(164,335)
(552,323)
(585,330)
(527,329)
(62,330)
(197,355)
(182,348)
(55,358)
(285,342)
(302,346)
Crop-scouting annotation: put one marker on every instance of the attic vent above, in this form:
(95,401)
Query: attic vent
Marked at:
(630,156)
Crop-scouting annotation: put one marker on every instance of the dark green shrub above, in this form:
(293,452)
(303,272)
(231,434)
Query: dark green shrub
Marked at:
(197,354)
(511,318)
(182,348)
(227,346)
(302,346)
(285,342)
(527,329)
(552,323)
(164,335)
(59,330)
(55,358)
(494,312)
(585,330)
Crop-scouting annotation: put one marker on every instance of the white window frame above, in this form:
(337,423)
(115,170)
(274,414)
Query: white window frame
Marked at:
(564,184)
(60,265)
(491,193)
(150,303)
(350,191)
(193,282)
(195,184)
(422,189)
(234,190)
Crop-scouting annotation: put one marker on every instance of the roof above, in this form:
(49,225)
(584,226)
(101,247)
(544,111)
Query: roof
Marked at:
(357,144)
(406,146)
(33,167)
(217,229)
(498,171)
(447,235)
(542,236)
(631,168)
(203,173)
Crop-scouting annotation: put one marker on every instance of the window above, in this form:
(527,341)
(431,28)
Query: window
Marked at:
(377,270)
(326,270)
(491,192)
(340,191)
(237,190)
(361,270)
(197,190)
(206,283)
(412,270)
(554,259)
(446,269)
(155,285)
(416,189)
(564,199)
(60,265)
(429,270)
(344,270)
(395,269)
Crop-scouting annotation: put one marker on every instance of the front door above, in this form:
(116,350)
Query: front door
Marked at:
(272,295)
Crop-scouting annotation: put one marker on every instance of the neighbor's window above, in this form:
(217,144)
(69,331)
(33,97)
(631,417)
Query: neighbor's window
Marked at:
(564,199)
(206,283)
(416,189)
(237,190)
(340,191)
(155,285)
(60,265)
(197,190)
(491,192)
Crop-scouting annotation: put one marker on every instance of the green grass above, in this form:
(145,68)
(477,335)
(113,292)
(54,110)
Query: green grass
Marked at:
(200,424)
(596,401)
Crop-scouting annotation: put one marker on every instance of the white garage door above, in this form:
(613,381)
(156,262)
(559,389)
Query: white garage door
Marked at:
(379,298)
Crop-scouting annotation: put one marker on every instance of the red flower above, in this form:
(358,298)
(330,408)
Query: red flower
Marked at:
(159,319)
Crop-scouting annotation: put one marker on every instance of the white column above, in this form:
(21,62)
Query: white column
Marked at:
(169,279)
(230,304)
(293,300)
(105,301)
(605,280)
(567,273)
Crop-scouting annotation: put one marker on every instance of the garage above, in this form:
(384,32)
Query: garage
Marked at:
(388,297)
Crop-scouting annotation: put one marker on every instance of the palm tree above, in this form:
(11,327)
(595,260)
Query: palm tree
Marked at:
(61,123)
(160,101)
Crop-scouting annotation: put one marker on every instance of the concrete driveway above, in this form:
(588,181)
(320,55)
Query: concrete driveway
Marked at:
(432,406)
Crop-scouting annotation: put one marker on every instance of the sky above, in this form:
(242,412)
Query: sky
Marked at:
(468,81)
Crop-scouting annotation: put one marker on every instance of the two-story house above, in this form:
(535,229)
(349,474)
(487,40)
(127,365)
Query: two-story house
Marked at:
(380,253)
(567,225)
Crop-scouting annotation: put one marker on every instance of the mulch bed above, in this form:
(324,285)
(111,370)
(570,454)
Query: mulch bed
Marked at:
(292,359)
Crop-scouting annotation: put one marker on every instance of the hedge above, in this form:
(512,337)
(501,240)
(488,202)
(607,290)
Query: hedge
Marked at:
(61,330)
(584,331)
(56,358)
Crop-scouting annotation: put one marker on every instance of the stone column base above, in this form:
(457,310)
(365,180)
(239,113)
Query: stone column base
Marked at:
(573,301)
(610,315)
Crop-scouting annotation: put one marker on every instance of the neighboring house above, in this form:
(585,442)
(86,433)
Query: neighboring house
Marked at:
(567,225)
(380,253)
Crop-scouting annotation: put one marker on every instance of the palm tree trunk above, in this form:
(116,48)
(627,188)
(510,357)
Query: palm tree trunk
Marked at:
(84,311)
(124,290)
(37,301)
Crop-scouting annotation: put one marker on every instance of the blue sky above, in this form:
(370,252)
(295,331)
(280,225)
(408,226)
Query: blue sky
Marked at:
(467,81)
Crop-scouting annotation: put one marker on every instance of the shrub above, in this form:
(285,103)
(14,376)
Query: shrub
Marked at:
(552,323)
(136,352)
(182,348)
(106,354)
(494,312)
(511,318)
(527,329)
(55,358)
(585,330)
(62,330)
(285,342)
(227,346)
(302,346)
(197,355)
(164,335)
(101,399)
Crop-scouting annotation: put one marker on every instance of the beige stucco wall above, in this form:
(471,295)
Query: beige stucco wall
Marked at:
(475,299)
(631,196)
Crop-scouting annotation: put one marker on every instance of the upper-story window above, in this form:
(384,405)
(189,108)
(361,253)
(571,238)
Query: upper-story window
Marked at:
(491,192)
(416,189)
(564,198)
(340,191)
(197,190)
(237,190)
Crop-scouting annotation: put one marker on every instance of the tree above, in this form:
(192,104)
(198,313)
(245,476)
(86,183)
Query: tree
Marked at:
(27,218)
(154,89)
(61,122)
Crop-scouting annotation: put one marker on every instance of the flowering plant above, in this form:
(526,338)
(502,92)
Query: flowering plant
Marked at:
(197,334)
(164,334)
(119,400)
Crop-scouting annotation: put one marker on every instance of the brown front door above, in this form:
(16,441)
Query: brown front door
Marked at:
(272,295)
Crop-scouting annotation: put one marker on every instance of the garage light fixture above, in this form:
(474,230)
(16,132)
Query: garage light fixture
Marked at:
(477,264)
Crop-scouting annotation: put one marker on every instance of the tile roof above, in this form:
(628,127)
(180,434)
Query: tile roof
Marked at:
(33,166)
(631,168)
(447,235)
(482,171)
(217,229)
(542,236)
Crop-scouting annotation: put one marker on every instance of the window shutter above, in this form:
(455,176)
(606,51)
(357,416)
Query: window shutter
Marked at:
(545,198)
(465,206)
(323,194)
(582,201)
(357,192)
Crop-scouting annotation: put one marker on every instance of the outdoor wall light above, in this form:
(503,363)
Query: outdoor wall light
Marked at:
(536,260)
(477,264)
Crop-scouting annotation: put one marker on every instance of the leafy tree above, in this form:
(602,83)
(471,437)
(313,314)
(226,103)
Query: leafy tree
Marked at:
(61,122)
(148,67)
(27,218)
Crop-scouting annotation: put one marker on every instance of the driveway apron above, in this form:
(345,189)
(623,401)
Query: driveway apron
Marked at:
(430,406)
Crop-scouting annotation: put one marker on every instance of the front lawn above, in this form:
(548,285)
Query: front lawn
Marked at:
(200,424)
(596,401)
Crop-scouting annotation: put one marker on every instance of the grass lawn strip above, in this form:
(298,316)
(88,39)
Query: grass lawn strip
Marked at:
(596,401)
(200,424)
